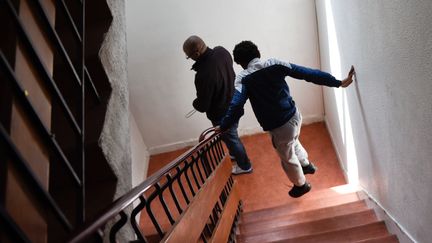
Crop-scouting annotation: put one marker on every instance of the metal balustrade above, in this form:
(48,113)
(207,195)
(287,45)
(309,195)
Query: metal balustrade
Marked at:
(161,200)
(165,196)
(45,202)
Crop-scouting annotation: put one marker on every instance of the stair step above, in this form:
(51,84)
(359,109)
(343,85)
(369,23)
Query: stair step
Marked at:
(298,206)
(310,228)
(313,194)
(302,217)
(353,234)
(383,239)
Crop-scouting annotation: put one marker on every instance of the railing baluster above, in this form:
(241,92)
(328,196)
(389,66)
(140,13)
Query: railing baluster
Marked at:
(133,221)
(93,87)
(194,162)
(49,82)
(70,19)
(9,226)
(201,158)
(31,179)
(207,171)
(153,218)
(52,34)
(117,226)
(213,154)
(34,117)
(181,186)
(173,194)
(199,170)
(164,204)
(187,179)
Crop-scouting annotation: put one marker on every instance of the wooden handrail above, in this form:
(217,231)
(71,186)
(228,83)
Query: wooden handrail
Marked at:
(123,202)
(206,132)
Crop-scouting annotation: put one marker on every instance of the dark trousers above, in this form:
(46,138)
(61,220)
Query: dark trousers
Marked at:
(235,146)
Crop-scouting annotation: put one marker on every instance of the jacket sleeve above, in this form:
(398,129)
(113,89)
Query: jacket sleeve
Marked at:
(313,75)
(235,110)
(204,93)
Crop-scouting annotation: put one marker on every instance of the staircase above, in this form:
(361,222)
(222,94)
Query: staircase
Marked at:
(338,214)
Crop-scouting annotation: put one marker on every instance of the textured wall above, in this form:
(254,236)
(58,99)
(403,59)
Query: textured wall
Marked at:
(115,137)
(381,126)
(162,88)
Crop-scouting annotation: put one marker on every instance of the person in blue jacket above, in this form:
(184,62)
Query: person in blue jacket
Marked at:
(263,83)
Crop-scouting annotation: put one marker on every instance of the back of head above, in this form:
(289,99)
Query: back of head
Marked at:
(244,52)
(194,46)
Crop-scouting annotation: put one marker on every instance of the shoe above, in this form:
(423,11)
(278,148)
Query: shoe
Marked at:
(298,191)
(309,169)
(236,170)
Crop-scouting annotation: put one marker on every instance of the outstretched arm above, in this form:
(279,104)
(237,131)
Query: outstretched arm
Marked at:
(349,79)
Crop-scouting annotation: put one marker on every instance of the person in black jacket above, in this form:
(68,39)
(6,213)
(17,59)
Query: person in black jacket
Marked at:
(214,83)
(263,83)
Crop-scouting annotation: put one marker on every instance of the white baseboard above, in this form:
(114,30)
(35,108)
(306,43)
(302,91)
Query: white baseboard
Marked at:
(312,119)
(243,131)
(392,225)
(172,146)
(344,170)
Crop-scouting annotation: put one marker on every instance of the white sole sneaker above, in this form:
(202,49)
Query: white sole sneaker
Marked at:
(236,170)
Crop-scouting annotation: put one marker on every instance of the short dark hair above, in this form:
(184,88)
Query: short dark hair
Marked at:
(245,51)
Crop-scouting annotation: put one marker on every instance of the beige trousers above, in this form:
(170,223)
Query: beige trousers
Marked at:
(292,154)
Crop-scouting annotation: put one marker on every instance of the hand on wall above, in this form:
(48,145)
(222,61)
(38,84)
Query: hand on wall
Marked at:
(348,80)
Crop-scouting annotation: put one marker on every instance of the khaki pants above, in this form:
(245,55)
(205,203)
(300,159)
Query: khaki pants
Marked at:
(292,154)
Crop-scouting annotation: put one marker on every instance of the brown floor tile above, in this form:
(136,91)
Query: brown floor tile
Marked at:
(268,185)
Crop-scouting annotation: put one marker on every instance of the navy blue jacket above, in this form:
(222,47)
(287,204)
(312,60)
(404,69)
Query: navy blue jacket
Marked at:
(263,82)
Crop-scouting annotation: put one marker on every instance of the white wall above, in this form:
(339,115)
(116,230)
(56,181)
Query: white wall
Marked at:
(381,126)
(161,81)
(139,153)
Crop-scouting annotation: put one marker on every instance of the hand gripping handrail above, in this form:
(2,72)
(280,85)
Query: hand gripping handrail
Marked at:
(206,132)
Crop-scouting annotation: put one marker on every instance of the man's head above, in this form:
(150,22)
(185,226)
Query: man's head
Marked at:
(244,52)
(194,47)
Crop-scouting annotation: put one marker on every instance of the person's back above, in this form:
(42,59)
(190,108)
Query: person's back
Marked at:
(268,93)
(215,78)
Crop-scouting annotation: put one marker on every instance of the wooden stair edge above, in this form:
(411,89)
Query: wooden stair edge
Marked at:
(296,218)
(320,193)
(297,206)
(359,202)
(320,226)
(382,239)
(376,230)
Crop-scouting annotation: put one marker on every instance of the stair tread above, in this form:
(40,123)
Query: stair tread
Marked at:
(383,239)
(313,194)
(302,217)
(298,206)
(310,228)
(352,234)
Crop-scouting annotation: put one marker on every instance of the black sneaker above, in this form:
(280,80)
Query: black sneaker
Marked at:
(309,169)
(298,191)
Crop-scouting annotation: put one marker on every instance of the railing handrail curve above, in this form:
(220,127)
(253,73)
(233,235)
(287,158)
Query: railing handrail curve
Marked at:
(127,199)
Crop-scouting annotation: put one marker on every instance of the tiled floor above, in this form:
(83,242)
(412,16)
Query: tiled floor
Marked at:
(268,186)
